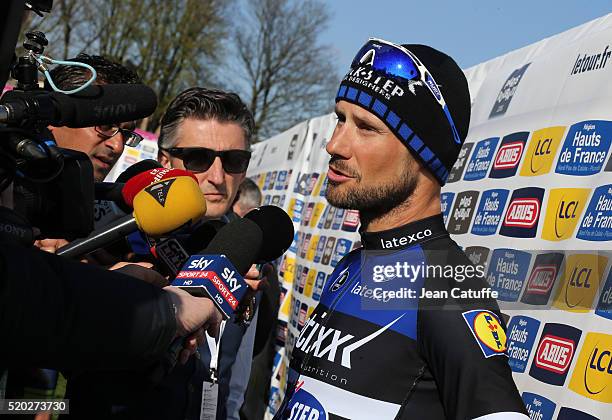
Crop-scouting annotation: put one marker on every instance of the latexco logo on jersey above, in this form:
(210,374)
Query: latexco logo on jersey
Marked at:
(541,281)
(554,353)
(563,211)
(509,155)
(538,407)
(480,161)
(490,211)
(463,210)
(596,225)
(507,92)
(541,151)
(457,169)
(582,276)
(604,305)
(592,375)
(522,332)
(585,148)
(523,213)
(507,272)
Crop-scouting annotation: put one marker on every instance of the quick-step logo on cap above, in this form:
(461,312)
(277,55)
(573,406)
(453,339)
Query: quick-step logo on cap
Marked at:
(563,212)
(585,148)
(490,211)
(507,92)
(507,272)
(554,353)
(523,213)
(582,276)
(522,332)
(487,330)
(541,151)
(461,216)
(509,155)
(604,306)
(460,163)
(592,377)
(544,272)
(480,161)
(596,225)
(538,407)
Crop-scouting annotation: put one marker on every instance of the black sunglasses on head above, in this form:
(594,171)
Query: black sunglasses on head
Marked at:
(200,159)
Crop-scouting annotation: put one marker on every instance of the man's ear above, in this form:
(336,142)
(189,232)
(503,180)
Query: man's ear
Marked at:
(164,159)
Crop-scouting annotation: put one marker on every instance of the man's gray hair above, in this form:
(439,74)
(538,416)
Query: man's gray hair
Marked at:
(204,104)
(249,195)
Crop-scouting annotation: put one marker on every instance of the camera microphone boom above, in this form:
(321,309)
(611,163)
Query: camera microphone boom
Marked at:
(94,105)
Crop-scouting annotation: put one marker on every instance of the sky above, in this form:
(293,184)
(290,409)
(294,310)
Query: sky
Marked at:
(470,31)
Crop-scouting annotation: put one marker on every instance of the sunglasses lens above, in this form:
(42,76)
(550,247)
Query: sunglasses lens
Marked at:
(387,59)
(198,160)
(236,161)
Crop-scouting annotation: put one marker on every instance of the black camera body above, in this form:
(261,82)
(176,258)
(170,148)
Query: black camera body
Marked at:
(53,188)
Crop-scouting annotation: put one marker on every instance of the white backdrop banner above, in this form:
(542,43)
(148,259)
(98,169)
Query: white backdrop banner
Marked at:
(530,197)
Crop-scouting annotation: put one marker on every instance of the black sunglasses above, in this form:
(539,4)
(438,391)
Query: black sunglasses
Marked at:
(200,159)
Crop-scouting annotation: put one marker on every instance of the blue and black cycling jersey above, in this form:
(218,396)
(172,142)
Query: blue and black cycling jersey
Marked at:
(406,328)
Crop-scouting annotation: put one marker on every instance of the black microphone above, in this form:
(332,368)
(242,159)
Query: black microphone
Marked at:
(94,105)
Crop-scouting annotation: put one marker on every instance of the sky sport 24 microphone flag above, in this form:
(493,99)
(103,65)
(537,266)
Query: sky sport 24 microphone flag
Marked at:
(530,197)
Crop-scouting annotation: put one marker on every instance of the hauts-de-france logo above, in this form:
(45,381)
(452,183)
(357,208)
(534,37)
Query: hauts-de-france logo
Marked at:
(507,272)
(522,332)
(596,225)
(538,407)
(592,377)
(480,162)
(490,211)
(563,212)
(604,305)
(507,92)
(554,353)
(546,268)
(509,155)
(541,151)
(523,213)
(446,201)
(585,148)
(582,277)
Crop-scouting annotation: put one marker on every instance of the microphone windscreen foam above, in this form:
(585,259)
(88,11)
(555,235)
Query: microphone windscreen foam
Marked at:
(277,229)
(168,204)
(137,168)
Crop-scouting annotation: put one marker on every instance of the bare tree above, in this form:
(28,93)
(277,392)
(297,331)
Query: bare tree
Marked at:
(285,74)
(168,42)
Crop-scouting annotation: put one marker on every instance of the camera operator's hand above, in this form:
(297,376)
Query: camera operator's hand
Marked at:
(142,271)
(50,245)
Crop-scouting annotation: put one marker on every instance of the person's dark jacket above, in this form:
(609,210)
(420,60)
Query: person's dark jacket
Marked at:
(61,314)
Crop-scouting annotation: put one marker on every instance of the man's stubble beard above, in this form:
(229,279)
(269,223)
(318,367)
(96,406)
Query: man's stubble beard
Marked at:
(375,201)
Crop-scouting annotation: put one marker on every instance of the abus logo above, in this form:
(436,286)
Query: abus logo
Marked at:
(592,375)
(508,155)
(541,279)
(554,353)
(522,212)
(564,208)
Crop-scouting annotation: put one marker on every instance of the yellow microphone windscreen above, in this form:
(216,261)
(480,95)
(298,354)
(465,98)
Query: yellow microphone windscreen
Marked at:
(168,204)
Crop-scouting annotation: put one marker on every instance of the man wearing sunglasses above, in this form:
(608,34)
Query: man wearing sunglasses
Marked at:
(103,144)
(406,327)
(208,132)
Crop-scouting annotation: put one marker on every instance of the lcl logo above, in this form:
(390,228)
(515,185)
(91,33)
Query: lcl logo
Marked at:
(565,206)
